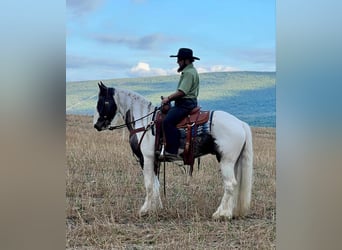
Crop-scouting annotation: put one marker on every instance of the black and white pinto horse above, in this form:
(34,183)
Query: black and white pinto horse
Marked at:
(231,143)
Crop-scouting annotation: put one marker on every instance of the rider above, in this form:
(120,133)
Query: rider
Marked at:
(185,98)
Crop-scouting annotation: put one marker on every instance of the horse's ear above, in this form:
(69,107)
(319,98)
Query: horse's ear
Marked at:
(104,86)
(101,85)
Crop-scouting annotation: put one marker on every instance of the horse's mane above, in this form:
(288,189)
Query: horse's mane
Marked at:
(135,96)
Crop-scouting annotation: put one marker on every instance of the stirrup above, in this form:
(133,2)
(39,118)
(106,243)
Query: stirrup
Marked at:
(162,152)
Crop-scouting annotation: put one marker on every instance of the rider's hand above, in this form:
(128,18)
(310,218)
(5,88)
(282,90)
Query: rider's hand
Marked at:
(165,100)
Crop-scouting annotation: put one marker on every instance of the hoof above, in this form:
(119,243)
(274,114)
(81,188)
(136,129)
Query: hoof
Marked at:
(143,213)
(221,217)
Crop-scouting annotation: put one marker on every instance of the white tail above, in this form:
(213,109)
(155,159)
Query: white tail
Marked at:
(244,176)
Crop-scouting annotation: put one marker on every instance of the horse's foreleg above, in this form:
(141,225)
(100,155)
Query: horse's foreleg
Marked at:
(152,199)
(227,205)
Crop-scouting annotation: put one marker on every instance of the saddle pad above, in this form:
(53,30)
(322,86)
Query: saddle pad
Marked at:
(201,129)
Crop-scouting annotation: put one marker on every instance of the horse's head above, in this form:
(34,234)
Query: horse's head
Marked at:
(106,108)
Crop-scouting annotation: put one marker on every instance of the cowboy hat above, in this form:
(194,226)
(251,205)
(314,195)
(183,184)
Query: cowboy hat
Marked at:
(185,53)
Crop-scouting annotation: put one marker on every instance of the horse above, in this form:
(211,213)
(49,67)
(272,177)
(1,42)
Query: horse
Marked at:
(231,142)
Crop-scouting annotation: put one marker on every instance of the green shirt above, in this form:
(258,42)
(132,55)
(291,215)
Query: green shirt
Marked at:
(189,82)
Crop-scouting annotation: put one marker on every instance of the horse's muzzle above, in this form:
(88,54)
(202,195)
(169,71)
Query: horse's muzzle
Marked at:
(98,128)
(100,125)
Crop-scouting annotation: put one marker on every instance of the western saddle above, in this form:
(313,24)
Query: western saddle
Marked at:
(190,123)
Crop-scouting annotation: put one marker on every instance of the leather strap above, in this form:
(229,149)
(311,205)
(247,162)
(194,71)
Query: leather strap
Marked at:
(134,131)
(142,129)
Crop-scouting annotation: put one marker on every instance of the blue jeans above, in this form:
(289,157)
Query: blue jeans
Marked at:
(177,113)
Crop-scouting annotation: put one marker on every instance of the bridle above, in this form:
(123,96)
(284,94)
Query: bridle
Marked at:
(105,112)
(132,122)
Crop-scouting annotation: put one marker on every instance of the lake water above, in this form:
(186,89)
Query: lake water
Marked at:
(256,107)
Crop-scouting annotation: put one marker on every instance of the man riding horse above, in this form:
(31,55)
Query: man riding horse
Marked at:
(185,99)
(227,137)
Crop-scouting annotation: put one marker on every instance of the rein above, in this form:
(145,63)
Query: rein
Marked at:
(132,122)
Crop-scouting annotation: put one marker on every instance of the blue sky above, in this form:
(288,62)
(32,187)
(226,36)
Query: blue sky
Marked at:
(134,38)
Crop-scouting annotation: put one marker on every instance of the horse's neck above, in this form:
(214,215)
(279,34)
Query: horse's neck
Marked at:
(133,106)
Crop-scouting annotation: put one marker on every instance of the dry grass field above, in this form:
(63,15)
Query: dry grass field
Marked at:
(105,189)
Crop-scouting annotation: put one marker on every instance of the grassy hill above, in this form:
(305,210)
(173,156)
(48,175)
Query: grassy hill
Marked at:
(248,95)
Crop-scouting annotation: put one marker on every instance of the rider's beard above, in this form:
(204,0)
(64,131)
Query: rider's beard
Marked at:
(180,69)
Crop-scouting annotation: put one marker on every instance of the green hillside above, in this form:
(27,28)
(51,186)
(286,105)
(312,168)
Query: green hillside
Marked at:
(81,96)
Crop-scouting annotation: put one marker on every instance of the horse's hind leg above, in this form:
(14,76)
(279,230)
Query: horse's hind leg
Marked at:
(152,199)
(225,209)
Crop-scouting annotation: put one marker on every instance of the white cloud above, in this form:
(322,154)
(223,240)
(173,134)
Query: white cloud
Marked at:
(144,69)
(202,70)
(141,67)
(216,68)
